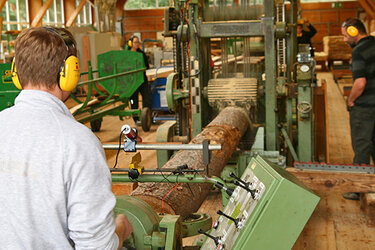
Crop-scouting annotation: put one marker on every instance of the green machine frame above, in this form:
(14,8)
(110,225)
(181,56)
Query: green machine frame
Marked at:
(120,73)
(287,128)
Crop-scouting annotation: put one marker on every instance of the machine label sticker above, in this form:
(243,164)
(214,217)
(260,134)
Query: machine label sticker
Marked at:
(253,165)
(245,214)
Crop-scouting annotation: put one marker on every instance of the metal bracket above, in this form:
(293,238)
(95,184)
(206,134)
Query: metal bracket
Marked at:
(206,152)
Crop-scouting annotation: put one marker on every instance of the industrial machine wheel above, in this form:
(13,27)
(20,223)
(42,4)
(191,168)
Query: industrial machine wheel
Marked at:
(95,125)
(146,119)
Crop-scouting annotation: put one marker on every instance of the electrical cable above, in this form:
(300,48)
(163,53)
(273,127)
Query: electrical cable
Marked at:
(164,178)
(119,147)
(162,201)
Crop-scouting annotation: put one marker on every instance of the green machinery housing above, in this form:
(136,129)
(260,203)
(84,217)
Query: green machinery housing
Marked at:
(270,218)
(8,92)
(119,74)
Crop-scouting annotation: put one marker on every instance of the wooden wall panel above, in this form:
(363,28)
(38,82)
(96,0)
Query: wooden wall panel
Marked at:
(345,14)
(335,28)
(322,31)
(147,22)
(327,5)
(327,20)
(148,35)
(144,13)
(312,15)
(329,16)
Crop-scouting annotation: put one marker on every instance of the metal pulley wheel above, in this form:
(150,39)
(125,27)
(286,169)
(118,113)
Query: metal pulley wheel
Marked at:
(172,81)
(304,107)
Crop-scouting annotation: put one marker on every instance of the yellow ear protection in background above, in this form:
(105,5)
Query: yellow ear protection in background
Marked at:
(130,42)
(351,30)
(69,74)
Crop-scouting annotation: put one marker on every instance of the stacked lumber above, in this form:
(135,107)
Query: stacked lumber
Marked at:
(321,56)
(336,48)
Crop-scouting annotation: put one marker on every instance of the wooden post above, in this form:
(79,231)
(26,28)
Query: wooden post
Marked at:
(73,16)
(2,3)
(37,20)
(226,129)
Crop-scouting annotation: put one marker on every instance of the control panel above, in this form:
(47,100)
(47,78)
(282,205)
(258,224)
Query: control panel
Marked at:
(267,210)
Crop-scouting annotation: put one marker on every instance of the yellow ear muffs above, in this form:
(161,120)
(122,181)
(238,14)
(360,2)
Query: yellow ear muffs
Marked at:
(130,43)
(352,31)
(69,74)
(15,79)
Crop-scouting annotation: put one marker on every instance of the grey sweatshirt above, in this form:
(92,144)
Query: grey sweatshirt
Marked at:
(55,185)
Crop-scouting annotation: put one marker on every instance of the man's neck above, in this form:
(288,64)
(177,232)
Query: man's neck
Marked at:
(56,91)
(360,36)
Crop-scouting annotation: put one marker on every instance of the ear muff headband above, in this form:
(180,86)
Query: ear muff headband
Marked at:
(15,79)
(69,74)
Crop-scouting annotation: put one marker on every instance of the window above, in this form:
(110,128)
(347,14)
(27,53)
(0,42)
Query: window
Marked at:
(85,16)
(15,15)
(146,4)
(55,14)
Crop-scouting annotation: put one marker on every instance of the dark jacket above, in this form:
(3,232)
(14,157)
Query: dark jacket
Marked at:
(363,66)
(306,37)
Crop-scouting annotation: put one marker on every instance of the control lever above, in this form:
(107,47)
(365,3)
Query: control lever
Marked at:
(219,212)
(215,239)
(238,179)
(251,191)
(243,184)
(229,191)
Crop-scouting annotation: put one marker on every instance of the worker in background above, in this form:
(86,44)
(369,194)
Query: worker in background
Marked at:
(134,44)
(361,100)
(304,36)
(55,185)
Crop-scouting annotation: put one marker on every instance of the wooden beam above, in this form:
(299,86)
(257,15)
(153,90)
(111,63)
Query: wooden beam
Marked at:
(119,8)
(335,181)
(369,7)
(2,3)
(75,13)
(37,21)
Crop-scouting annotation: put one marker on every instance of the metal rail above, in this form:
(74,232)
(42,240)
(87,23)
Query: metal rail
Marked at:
(164,146)
(168,178)
(110,77)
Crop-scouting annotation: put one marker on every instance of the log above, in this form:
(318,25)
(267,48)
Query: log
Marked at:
(226,129)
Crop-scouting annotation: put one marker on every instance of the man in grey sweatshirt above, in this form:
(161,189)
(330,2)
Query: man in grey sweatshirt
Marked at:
(55,185)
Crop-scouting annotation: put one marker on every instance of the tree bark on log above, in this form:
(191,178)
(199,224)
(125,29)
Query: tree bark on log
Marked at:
(226,129)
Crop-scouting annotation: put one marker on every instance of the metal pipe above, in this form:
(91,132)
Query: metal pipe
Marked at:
(168,178)
(110,77)
(158,170)
(289,143)
(164,147)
